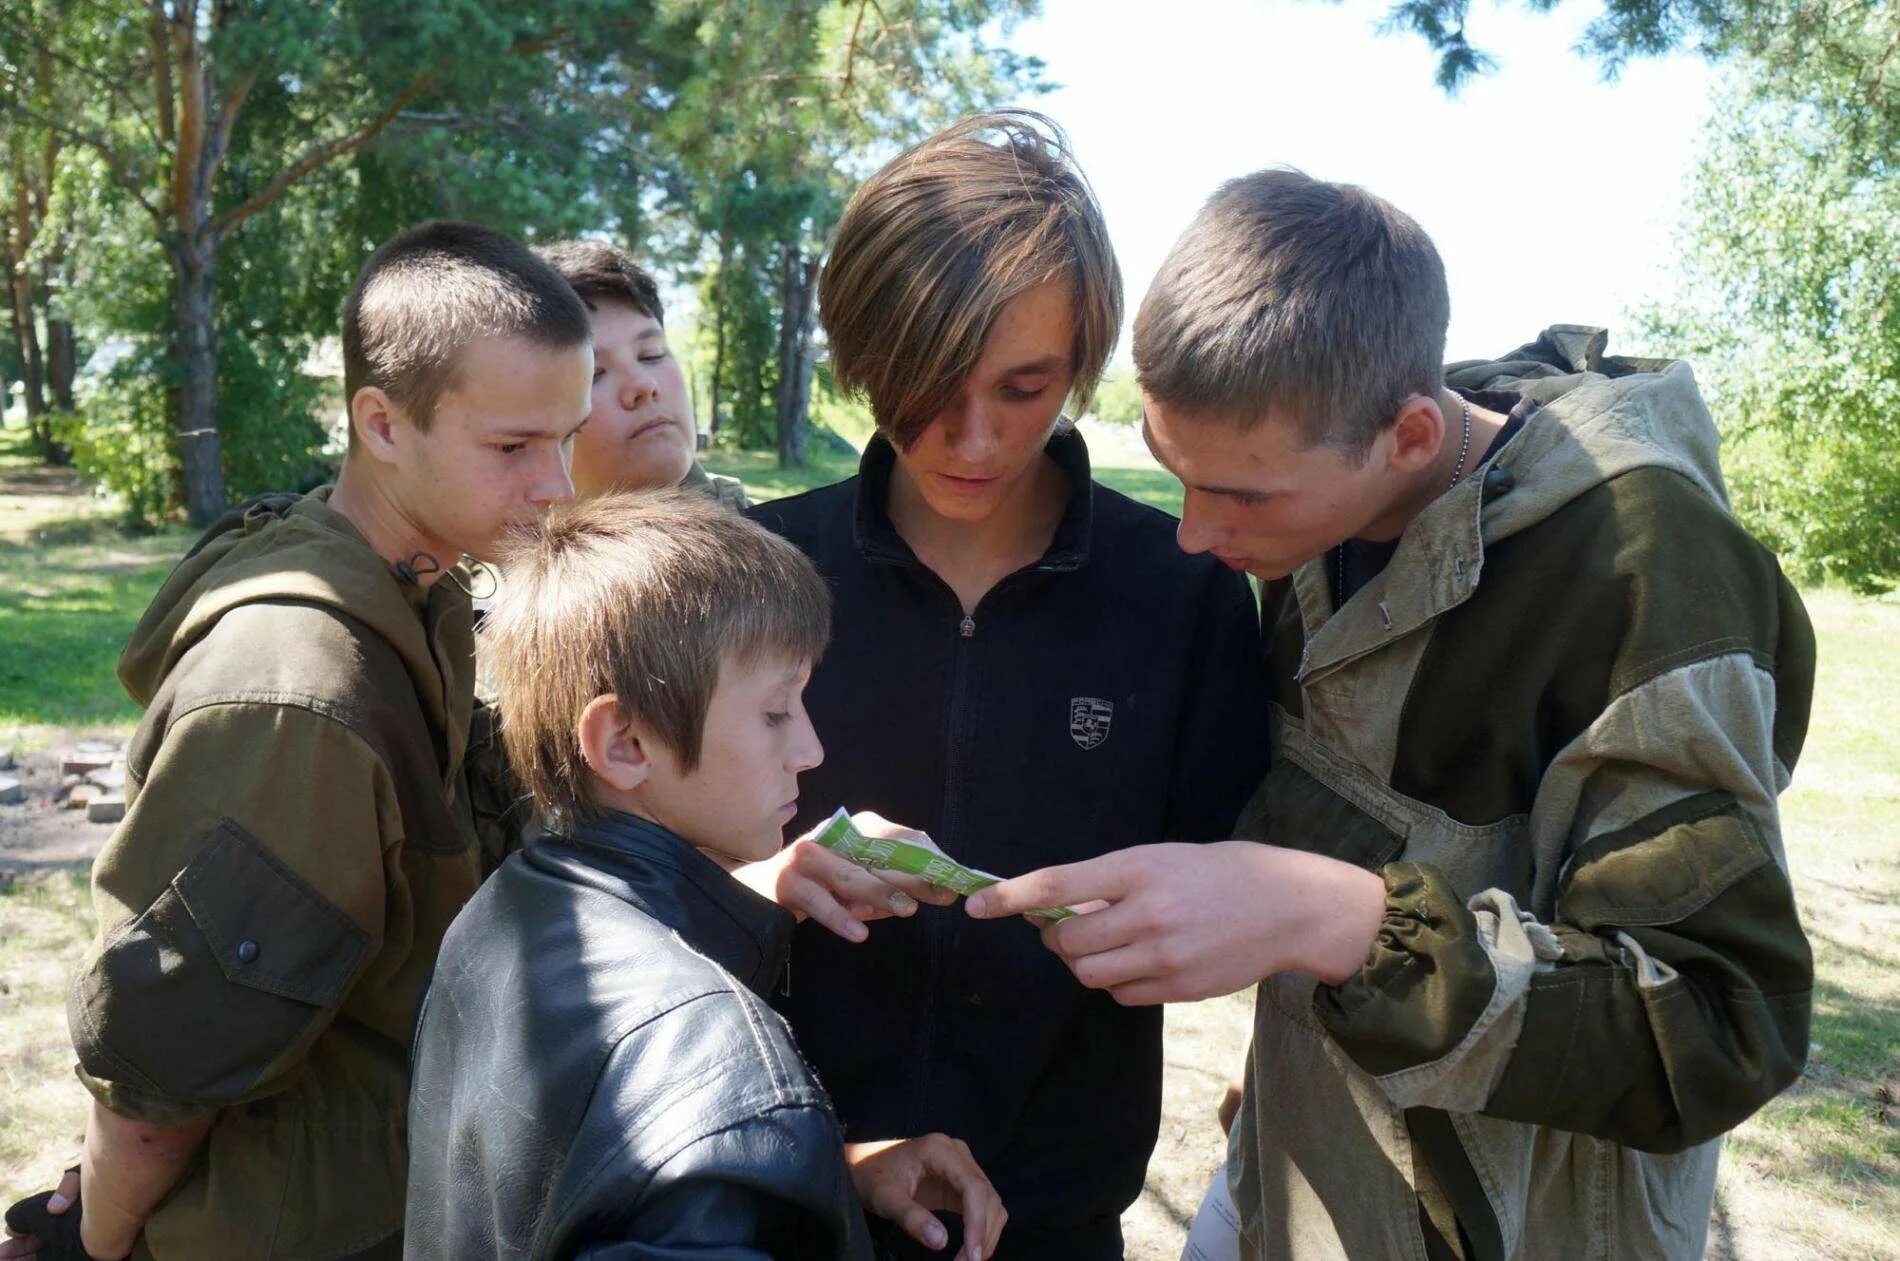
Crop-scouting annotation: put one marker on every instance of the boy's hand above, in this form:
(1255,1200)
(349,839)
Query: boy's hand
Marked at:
(42,1226)
(903,1180)
(1185,922)
(813,883)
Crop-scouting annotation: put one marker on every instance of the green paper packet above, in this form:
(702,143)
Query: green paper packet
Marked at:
(842,837)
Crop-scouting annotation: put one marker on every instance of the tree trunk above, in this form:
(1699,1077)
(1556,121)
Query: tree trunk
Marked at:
(719,331)
(196,346)
(26,330)
(62,362)
(799,284)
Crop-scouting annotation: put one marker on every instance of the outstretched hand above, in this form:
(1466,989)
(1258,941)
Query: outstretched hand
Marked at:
(813,883)
(903,1180)
(1186,922)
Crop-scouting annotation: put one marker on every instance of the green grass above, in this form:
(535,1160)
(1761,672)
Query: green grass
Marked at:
(72,587)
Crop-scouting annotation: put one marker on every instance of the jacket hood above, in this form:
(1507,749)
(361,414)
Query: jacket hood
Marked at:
(1600,416)
(288,548)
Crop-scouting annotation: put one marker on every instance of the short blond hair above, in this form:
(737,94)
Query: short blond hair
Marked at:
(933,247)
(642,596)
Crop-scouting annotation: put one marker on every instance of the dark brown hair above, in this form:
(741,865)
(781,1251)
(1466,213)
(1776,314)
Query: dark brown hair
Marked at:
(642,596)
(600,272)
(1317,300)
(434,289)
(932,247)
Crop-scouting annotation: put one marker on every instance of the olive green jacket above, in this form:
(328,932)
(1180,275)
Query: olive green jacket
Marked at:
(729,491)
(297,839)
(1557,724)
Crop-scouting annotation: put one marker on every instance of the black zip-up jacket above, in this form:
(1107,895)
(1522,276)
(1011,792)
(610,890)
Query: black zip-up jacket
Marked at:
(1109,695)
(598,1076)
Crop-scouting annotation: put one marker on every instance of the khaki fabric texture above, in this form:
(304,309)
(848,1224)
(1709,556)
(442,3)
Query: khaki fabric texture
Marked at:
(1556,724)
(729,491)
(298,837)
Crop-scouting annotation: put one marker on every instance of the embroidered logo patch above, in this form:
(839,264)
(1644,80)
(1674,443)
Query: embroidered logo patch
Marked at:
(1089,719)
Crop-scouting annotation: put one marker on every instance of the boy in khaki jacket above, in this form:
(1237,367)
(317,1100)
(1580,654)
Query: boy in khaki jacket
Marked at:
(298,832)
(1523,931)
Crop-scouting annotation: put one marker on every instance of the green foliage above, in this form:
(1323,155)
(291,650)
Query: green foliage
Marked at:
(1790,310)
(1118,398)
(123,439)
(1852,43)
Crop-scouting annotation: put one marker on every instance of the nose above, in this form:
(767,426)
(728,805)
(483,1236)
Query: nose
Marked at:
(806,752)
(553,479)
(971,431)
(638,386)
(1196,533)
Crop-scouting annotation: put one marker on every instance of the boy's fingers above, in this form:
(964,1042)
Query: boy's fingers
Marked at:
(922,1225)
(67,1193)
(1121,966)
(1052,886)
(1083,935)
(814,901)
(895,894)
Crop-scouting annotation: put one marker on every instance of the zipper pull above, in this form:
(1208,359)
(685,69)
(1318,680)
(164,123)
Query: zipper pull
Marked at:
(785,977)
(968,628)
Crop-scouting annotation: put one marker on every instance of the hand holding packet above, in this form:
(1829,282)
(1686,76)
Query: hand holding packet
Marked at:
(924,861)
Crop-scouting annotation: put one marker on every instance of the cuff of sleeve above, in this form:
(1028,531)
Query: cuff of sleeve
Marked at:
(138,1105)
(1427,982)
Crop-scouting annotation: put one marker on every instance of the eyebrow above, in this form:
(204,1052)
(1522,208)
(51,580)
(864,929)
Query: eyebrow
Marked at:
(1048,363)
(1147,437)
(525,435)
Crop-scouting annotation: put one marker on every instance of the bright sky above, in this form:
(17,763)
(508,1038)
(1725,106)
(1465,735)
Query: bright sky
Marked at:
(1550,193)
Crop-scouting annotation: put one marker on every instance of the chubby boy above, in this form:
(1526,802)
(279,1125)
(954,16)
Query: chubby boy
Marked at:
(298,833)
(597,1070)
(641,434)
(1523,929)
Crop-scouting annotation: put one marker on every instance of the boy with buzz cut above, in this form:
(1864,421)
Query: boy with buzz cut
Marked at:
(641,434)
(1523,926)
(597,1071)
(298,832)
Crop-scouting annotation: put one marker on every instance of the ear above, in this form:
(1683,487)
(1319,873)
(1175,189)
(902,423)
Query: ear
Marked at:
(1417,434)
(611,746)
(373,418)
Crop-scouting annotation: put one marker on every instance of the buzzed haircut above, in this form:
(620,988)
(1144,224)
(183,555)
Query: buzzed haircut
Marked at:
(600,272)
(1318,301)
(428,293)
(932,247)
(644,596)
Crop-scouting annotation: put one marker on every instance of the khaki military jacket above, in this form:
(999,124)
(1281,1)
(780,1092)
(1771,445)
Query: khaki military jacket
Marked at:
(296,841)
(1557,724)
(729,491)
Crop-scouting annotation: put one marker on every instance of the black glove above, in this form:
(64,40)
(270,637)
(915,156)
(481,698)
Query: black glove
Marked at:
(58,1233)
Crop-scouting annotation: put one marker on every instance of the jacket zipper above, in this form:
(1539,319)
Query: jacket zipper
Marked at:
(937,928)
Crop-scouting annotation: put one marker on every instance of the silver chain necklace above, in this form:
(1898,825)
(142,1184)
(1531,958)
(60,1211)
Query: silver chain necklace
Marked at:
(1458,470)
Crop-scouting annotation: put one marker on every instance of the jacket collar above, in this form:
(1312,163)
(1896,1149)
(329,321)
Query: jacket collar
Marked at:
(878,540)
(646,865)
(1434,569)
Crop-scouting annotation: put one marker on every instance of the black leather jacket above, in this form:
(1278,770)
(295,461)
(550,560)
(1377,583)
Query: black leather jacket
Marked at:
(596,1074)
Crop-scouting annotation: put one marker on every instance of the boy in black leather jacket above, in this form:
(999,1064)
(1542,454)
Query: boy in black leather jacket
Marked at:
(597,1073)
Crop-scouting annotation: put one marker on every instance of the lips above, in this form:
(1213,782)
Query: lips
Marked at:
(1239,563)
(644,428)
(966,483)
